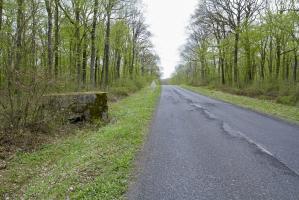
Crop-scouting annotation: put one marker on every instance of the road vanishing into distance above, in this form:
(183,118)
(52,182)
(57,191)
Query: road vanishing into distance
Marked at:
(201,148)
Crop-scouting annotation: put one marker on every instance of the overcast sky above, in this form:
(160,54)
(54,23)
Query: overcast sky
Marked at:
(168,20)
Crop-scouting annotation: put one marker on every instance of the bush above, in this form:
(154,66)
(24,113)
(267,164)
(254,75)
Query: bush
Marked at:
(124,87)
(287,100)
(22,101)
(283,92)
(120,91)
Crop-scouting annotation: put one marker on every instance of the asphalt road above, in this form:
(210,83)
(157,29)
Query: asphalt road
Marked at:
(200,148)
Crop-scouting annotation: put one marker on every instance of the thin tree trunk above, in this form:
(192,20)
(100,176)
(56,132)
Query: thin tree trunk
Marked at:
(263,68)
(99,74)
(96,68)
(56,42)
(271,57)
(33,37)
(278,59)
(49,34)
(78,44)
(221,60)
(249,67)
(71,58)
(263,59)
(93,43)
(295,66)
(125,70)
(1,14)
(18,58)
(84,63)
(284,65)
(287,68)
(236,50)
(105,79)
(133,58)
(102,75)
(1,21)
(118,66)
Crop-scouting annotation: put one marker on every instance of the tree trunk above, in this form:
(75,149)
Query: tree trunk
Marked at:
(287,68)
(71,60)
(263,68)
(99,70)
(284,65)
(271,57)
(18,59)
(221,61)
(78,44)
(33,36)
(133,58)
(1,22)
(56,42)
(295,66)
(118,66)
(84,63)
(248,62)
(278,59)
(93,43)
(1,14)
(263,59)
(96,68)
(236,50)
(203,70)
(105,79)
(49,34)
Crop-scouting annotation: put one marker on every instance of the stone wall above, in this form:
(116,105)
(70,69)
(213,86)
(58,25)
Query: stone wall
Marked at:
(80,106)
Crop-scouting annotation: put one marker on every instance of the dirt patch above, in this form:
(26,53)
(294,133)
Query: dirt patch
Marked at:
(32,138)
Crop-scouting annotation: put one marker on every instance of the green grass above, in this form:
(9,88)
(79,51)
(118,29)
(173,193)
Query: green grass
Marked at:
(92,165)
(290,113)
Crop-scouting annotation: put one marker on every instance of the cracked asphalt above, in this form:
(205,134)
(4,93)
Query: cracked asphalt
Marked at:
(201,148)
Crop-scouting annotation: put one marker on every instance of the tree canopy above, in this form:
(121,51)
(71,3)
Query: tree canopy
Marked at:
(239,43)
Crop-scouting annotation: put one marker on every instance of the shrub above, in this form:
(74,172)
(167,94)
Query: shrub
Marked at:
(22,101)
(287,100)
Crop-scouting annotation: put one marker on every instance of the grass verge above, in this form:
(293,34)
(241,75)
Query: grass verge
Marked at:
(93,165)
(290,113)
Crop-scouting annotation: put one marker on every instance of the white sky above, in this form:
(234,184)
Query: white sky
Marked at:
(168,20)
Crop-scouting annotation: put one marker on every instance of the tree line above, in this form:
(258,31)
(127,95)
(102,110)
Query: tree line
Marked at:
(86,43)
(69,45)
(241,42)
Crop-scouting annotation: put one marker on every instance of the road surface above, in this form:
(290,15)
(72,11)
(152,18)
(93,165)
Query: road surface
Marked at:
(200,148)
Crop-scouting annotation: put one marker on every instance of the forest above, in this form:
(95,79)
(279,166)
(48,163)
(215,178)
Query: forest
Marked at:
(243,47)
(86,114)
(69,45)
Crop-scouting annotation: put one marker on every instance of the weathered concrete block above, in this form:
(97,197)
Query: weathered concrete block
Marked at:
(80,106)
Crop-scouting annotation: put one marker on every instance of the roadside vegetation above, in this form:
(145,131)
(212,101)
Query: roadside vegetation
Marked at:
(87,165)
(59,46)
(290,113)
(247,48)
